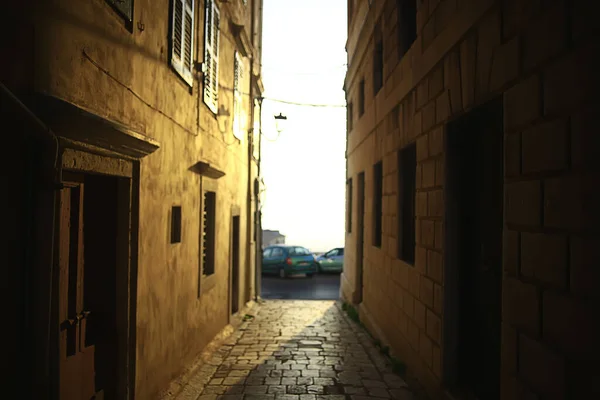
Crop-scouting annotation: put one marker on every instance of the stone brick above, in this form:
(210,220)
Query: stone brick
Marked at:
(427,233)
(436,81)
(442,107)
(422,93)
(509,349)
(584,270)
(512,155)
(505,65)
(488,39)
(572,81)
(434,327)
(522,103)
(571,202)
(422,148)
(436,141)
(585,140)
(544,257)
(413,334)
(428,172)
(422,205)
(426,291)
(517,14)
(428,33)
(439,235)
(545,37)
(523,203)
(429,116)
(542,369)
(419,176)
(439,172)
(435,268)
(468,58)
(571,325)
(545,147)
(521,305)
(436,203)
(409,304)
(426,349)
(417,124)
(438,298)
(510,252)
(453,80)
(420,258)
(443,14)
(420,315)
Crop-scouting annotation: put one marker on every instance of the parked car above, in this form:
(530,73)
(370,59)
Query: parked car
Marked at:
(332,261)
(288,260)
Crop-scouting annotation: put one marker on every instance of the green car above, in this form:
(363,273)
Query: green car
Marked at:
(332,261)
(288,260)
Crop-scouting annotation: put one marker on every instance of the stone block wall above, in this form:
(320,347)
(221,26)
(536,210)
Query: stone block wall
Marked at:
(542,57)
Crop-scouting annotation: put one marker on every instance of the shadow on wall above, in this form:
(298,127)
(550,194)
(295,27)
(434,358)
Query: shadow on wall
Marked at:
(292,349)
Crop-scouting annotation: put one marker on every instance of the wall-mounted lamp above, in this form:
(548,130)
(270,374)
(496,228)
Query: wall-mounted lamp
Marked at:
(280,122)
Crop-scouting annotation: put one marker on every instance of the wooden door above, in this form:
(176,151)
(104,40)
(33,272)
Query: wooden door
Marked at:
(360,236)
(76,359)
(235,265)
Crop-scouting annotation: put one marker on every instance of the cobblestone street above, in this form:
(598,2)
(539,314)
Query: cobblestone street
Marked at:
(295,350)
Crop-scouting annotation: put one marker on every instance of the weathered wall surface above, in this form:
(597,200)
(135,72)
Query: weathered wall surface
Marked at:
(542,56)
(87,56)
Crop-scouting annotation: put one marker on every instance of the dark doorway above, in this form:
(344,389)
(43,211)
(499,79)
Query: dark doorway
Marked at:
(360,232)
(235,265)
(475,185)
(87,255)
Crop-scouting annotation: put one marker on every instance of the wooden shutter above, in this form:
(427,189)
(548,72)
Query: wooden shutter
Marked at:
(238,74)
(211,56)
(182,39)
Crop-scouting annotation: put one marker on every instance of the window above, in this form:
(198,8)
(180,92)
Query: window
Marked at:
(182,39)
(378,61)
(407,25)
(349,206)
(361,98)
(123,7)
(208,233)
(211,55)
(377,203)
(176,224)
(238,73)
(349,117)
(267,253)
(407,171)
(277,252)
(298,251)
(340,252)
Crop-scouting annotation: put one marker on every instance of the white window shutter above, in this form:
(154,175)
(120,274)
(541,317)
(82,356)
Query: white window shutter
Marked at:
(238,71)
(211,56)
(182,39)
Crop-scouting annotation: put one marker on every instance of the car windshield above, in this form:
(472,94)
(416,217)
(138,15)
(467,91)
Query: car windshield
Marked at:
(298,251)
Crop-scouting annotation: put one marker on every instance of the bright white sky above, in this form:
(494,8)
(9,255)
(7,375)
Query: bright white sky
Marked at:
(304,61)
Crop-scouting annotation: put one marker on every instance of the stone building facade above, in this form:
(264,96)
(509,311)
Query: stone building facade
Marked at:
(131,148)
(472,192)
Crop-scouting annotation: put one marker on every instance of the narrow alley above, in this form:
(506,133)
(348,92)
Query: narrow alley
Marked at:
(294,350)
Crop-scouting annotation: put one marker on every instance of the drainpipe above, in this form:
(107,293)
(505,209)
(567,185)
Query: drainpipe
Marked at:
(258,225)
(55,184)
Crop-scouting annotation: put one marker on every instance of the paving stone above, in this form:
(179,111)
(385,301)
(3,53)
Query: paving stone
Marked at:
(296,350)
(296,389)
